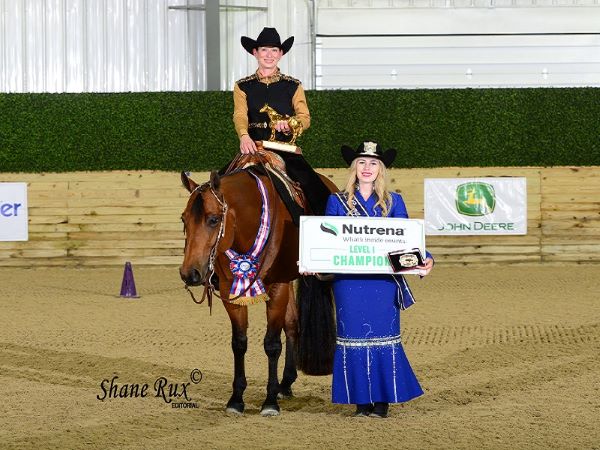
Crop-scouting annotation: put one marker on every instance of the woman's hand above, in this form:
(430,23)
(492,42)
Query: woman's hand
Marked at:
(282,126)
(247,145)
(426,268)
(320,276)
(303,273)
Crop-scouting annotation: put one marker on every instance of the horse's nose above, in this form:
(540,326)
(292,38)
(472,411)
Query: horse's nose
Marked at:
(190,277)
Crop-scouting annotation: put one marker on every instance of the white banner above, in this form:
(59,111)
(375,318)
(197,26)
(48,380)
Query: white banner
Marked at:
(459,206)
(337,244)
(13,212)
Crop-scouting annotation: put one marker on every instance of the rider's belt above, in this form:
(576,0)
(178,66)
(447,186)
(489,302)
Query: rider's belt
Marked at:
(258,125)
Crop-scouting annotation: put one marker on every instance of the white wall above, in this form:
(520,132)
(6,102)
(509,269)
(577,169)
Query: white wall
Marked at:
(137,45)
(434,47)
(146,45)
(99,46)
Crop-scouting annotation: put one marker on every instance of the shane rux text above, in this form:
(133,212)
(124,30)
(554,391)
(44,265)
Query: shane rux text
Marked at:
(162,388)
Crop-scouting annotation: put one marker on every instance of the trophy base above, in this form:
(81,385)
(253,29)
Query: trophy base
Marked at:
(281,146)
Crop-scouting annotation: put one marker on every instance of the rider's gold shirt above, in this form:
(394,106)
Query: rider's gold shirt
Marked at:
(240,103)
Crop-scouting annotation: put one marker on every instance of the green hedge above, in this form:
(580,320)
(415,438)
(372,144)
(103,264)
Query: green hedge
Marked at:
(193,130)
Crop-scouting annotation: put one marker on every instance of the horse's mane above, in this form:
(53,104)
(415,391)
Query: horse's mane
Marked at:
(198,205)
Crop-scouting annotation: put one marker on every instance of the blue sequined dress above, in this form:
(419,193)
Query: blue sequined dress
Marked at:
(369,364)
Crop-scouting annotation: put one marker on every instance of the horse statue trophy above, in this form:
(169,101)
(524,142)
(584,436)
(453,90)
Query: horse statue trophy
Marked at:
(240,236)
(295,125)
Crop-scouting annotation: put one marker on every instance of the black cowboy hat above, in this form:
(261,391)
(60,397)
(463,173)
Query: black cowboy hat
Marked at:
(268,37)
(371,150)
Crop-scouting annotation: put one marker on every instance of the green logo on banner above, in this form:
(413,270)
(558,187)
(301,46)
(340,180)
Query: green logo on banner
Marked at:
(328,228)
(475,199)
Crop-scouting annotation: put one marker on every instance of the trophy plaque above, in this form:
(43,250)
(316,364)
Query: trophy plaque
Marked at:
(281,146)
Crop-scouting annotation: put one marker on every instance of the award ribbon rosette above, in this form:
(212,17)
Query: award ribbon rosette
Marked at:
(247,285)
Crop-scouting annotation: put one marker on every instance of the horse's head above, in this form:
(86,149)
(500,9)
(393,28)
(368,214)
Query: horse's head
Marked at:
(204,226)
(273,115)
(266,109)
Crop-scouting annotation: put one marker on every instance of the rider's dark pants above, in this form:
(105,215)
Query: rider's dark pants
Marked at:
(314,189)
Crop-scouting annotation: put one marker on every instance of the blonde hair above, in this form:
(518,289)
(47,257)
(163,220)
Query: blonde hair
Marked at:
(384,198)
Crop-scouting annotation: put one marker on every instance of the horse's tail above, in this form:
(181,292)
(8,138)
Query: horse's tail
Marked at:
(316,324)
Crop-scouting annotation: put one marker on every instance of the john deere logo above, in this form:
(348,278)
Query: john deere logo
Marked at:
(328,228)
(475,199)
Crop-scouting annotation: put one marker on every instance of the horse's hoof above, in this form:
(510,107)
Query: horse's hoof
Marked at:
(268,411)
(235,408)
(285,393)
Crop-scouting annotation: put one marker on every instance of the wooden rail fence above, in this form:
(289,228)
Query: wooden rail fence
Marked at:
(107,218)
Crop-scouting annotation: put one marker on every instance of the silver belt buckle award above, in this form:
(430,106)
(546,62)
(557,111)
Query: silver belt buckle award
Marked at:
(405,259)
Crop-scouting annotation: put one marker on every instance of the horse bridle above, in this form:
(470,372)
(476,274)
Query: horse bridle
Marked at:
(209,288)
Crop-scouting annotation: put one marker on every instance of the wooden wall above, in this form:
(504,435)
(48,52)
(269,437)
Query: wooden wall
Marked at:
(107,218)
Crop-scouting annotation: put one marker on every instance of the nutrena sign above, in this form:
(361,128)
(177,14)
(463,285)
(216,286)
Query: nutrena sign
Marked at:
(337,244)
(13,212)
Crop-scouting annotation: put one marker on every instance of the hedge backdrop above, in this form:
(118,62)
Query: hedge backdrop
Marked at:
(193,130)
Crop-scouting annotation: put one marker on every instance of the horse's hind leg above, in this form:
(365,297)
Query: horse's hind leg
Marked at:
(291,332)
(276,310)
(239,344)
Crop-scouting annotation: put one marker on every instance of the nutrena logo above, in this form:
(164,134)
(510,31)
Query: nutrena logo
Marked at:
(475,199)
(328,228)
(365,229)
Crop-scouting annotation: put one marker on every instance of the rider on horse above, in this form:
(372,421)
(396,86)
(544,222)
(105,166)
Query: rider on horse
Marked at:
(268,86)
(222,214)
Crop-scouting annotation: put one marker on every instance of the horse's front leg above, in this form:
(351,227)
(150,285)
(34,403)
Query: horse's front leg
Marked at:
(239,344)
(276,309)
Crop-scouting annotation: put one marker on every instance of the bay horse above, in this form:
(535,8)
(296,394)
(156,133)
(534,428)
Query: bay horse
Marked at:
(225,213)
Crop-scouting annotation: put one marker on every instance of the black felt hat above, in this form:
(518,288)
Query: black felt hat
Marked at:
(268,37)
(370,150)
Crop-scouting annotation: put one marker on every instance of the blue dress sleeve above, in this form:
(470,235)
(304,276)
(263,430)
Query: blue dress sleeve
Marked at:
(333,206)
(398,207)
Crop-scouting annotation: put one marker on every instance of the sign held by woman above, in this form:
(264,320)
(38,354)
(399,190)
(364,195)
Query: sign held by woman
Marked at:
(330,244)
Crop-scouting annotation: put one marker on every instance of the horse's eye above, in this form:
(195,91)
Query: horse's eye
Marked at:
(212,221)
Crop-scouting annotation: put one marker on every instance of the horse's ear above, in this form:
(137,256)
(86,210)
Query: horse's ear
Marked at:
(188,183)
(215,180)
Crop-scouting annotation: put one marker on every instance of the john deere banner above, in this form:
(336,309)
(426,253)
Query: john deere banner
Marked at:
(475,206)
(332,244)
(13,212)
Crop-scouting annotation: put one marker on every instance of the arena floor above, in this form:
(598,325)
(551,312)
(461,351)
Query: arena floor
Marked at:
(508,357)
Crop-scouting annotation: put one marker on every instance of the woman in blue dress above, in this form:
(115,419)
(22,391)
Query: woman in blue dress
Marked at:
(370,367)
